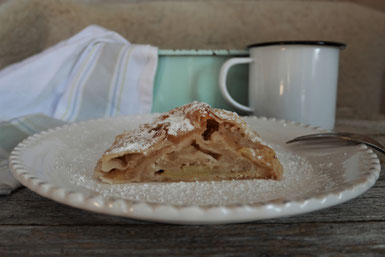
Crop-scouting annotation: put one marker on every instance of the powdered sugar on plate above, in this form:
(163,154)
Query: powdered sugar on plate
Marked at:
(300,178)
(305,172)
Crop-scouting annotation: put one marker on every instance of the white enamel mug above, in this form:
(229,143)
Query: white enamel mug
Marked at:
(291,80)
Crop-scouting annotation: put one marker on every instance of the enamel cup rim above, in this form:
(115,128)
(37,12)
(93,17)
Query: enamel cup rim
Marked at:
(316,43)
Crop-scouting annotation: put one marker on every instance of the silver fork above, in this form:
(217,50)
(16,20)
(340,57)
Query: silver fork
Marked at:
(351,137)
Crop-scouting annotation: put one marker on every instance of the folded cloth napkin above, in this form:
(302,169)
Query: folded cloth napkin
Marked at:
(96,73)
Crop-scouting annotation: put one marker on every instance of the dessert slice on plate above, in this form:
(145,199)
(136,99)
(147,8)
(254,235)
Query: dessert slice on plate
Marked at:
(193,142)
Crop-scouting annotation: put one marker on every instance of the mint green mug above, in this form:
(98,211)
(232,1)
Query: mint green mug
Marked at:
(184,76)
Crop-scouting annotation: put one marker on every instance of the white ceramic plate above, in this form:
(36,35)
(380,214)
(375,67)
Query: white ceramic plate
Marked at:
(58,164)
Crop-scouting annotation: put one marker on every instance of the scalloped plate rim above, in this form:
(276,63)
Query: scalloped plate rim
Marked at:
(169,213)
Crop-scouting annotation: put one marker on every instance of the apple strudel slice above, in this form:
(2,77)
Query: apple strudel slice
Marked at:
(193,142)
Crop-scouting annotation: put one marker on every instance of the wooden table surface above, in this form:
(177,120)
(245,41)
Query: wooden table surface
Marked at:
(31,225)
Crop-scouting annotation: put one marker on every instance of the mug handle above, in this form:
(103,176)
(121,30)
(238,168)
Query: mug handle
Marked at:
(222,82)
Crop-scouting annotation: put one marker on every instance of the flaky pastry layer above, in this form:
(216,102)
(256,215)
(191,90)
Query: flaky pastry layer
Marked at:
(193,142)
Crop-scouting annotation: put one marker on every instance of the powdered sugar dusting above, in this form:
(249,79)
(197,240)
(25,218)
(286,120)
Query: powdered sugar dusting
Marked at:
(173,123)
(227,115)
(299,179)
(177,124)
(134,142)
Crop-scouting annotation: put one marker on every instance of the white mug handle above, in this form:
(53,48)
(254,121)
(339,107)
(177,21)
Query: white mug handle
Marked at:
(222,82)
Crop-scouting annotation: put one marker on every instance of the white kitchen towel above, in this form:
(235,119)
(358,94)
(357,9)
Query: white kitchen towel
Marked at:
(96,73)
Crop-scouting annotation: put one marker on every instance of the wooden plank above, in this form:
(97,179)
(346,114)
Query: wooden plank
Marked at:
(304,239)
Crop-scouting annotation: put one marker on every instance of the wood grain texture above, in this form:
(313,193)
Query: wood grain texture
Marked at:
(31,225)
(303,239)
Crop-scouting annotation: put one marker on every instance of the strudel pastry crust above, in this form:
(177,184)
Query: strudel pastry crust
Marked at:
(193,142)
